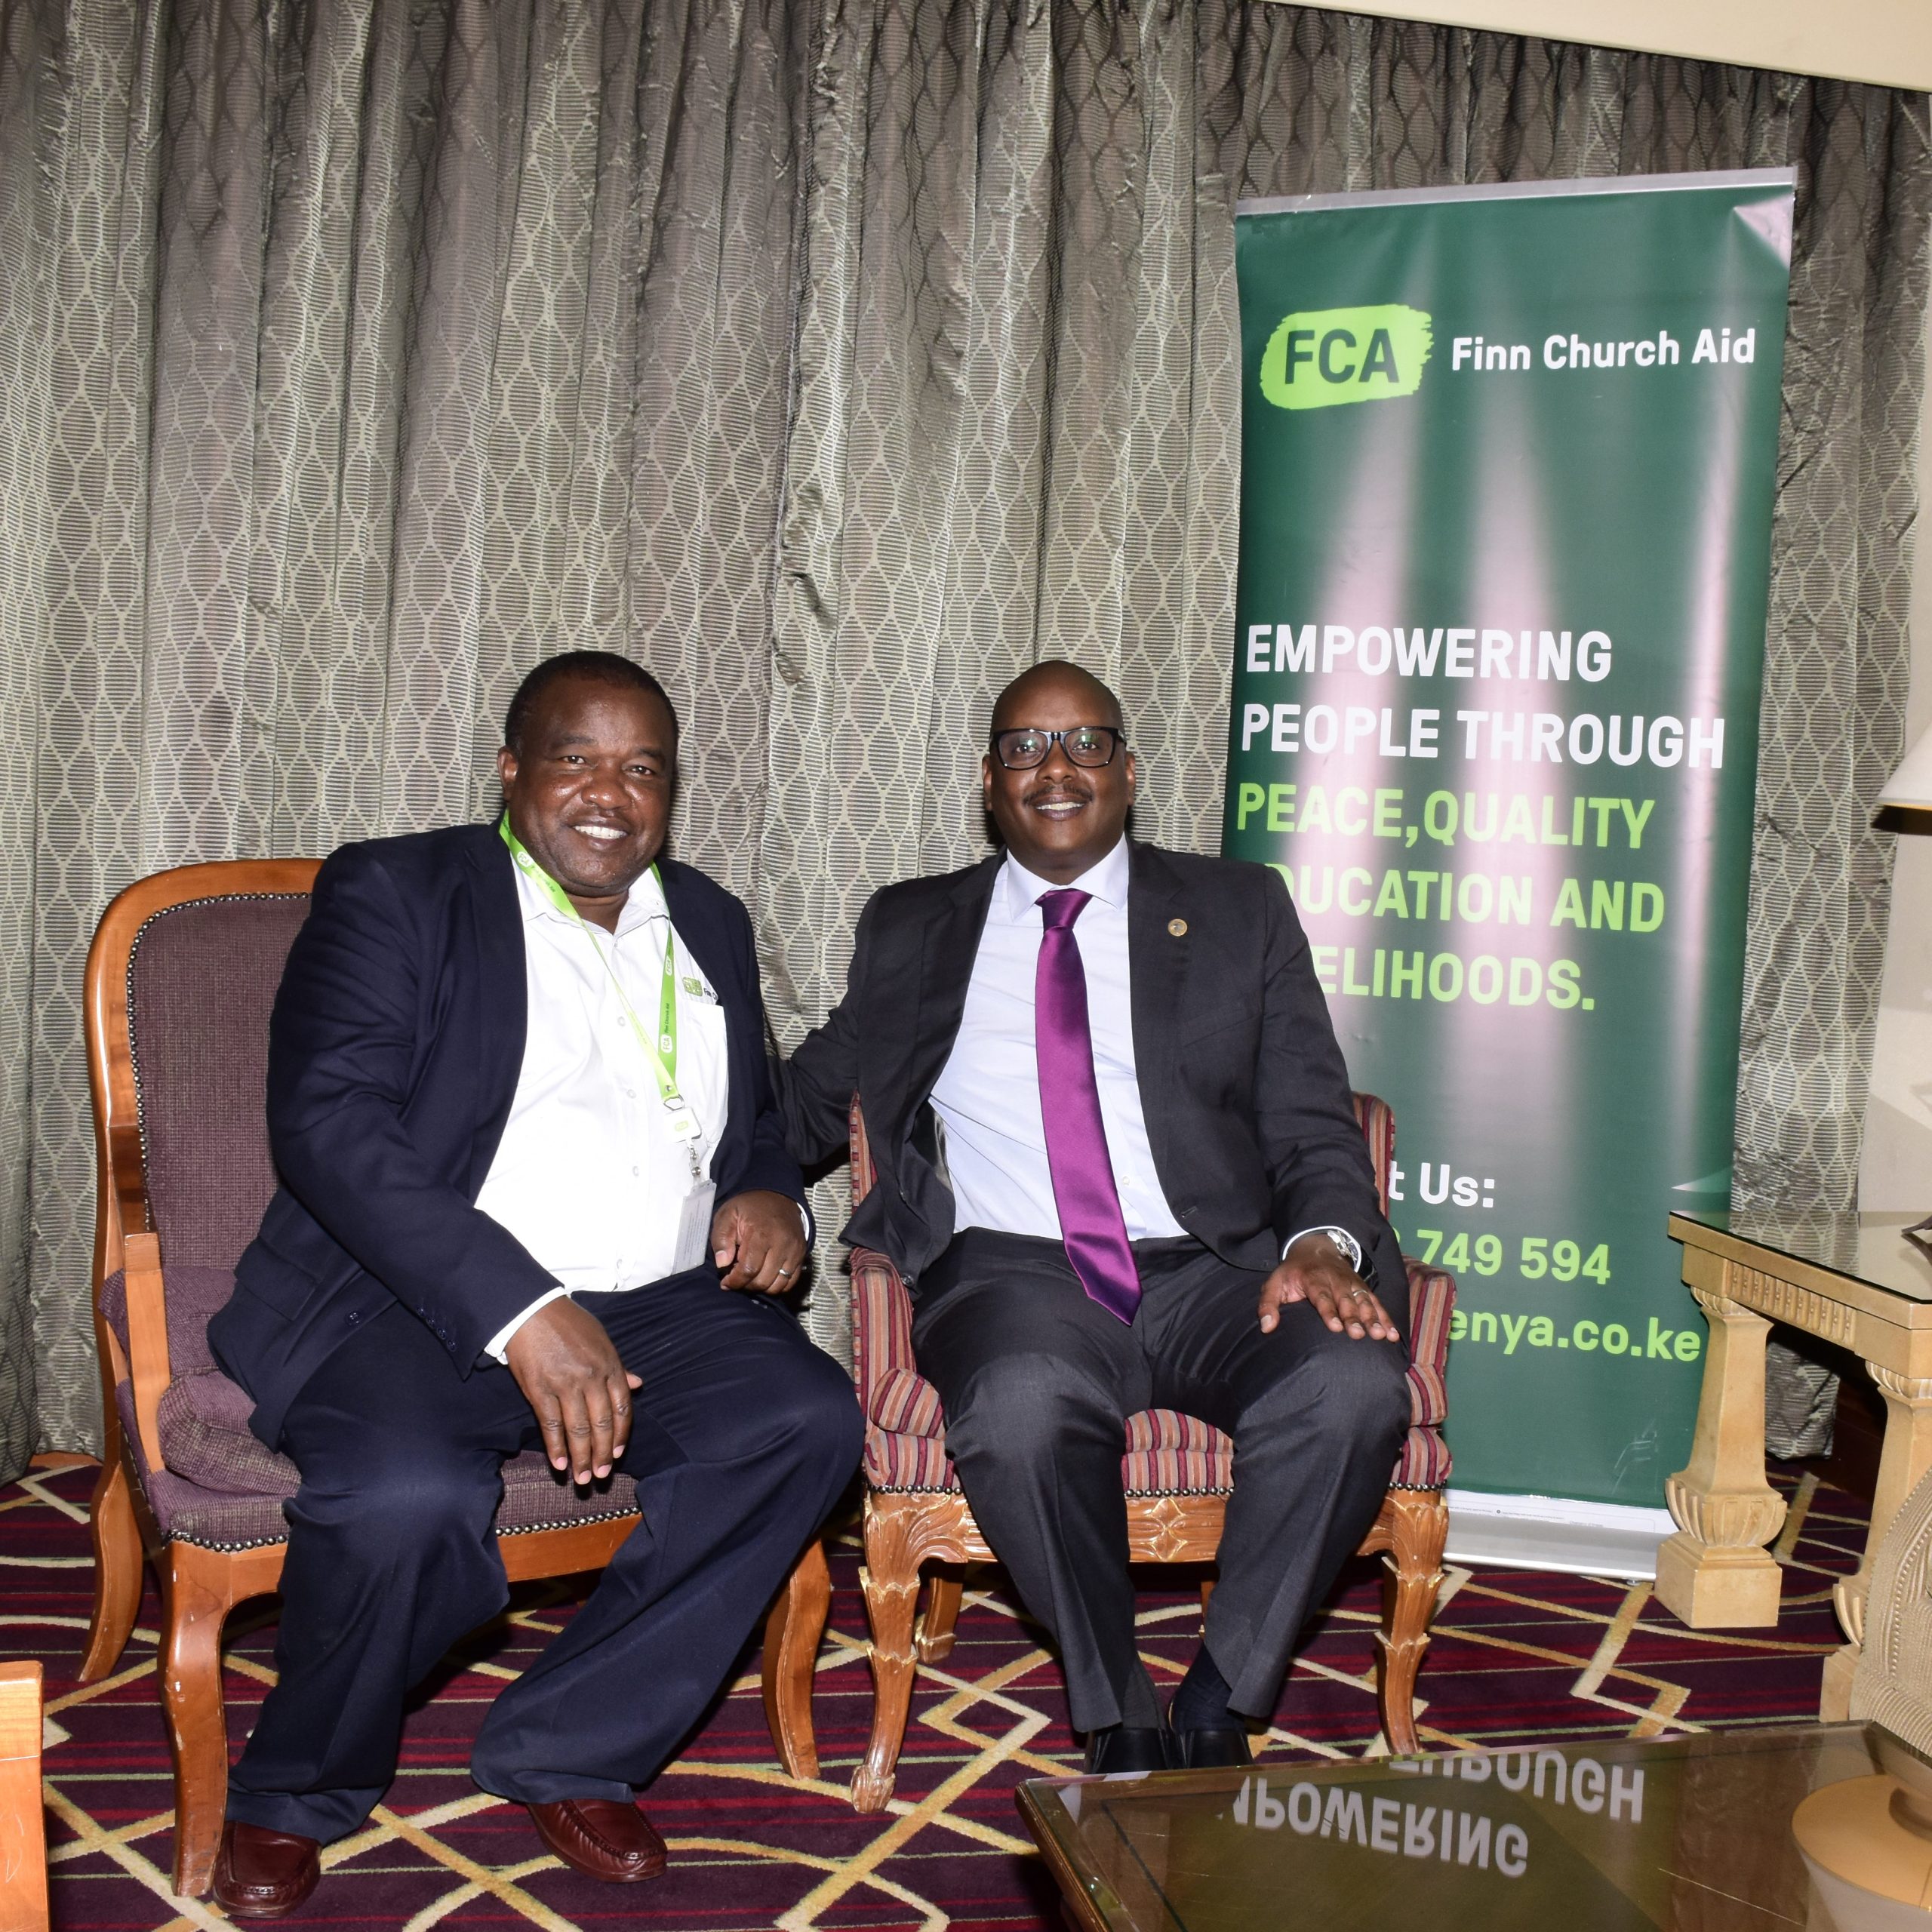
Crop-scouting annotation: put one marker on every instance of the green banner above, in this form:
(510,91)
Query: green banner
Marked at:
(1508,461)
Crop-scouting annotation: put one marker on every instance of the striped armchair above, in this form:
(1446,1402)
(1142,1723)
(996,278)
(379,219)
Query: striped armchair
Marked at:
(1177,1472)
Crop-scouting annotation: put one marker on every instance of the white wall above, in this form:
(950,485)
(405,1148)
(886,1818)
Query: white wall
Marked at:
(1887,40)
(1897,1167)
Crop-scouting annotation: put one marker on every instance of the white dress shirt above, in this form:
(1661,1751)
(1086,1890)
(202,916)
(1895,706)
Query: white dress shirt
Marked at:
(988,1095)
(588,1176)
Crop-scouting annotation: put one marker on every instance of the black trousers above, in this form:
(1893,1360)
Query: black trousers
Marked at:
(1037,1382)
(743,1434)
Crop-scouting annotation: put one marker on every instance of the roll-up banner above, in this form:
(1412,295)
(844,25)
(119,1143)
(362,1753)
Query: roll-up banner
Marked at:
(1508,463)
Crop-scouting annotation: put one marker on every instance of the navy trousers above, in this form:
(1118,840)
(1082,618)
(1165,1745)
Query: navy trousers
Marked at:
(1037,1382)
(743,1434)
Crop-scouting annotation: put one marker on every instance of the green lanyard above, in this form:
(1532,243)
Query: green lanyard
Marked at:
(662,1052)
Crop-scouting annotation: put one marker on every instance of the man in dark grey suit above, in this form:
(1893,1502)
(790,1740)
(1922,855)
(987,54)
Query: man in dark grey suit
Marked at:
(1118,1167)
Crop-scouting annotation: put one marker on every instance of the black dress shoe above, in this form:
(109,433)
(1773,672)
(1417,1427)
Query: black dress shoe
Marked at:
(1207,1748)
(1127,1747)
(260,1874)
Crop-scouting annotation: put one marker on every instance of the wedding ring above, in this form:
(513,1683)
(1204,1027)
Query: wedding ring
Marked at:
(784,1270)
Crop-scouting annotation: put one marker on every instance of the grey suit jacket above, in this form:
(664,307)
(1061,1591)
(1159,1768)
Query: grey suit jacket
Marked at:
(1246,1096)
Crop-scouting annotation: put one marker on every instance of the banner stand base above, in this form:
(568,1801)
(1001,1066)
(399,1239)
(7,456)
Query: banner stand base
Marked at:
(1555,1532)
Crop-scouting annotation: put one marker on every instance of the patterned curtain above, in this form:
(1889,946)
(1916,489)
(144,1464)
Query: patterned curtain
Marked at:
(837,357)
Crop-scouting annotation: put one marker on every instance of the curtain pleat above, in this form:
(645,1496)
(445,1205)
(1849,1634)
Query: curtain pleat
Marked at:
(837,358)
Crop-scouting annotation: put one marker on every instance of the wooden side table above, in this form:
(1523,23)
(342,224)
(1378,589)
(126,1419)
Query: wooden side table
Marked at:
(1853,1279)
(23,1825)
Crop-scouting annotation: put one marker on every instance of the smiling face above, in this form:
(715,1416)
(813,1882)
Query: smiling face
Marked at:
(589,792)
(1060,819)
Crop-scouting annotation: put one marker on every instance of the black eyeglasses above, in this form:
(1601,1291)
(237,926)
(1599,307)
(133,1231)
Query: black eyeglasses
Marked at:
(1088,745)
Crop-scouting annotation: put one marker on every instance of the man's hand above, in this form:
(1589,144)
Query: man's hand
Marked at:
(570,1375)
(759,1239)
(1317,1272)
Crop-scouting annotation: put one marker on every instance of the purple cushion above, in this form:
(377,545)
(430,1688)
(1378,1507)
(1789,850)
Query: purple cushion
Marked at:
(185,1512)
(204,1435)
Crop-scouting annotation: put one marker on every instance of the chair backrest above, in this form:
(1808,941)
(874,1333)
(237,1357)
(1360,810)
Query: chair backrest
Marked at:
(180,980)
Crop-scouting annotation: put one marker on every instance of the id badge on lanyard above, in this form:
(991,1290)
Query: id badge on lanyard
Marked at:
(694,1225)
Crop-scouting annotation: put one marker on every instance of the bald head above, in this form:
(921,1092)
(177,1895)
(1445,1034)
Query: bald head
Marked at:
(1055,676)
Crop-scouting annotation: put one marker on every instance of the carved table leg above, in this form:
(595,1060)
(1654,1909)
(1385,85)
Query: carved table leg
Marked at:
(22,1824)
(1714,1572)
(1906,1457)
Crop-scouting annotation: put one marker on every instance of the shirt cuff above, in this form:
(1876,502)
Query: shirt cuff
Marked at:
(498,1344)
(1343,1239)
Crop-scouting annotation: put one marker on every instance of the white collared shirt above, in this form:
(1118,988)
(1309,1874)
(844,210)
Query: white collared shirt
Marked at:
(588,1176)
(988,1096)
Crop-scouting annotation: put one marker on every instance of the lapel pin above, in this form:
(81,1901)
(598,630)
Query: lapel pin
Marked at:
(1178,927)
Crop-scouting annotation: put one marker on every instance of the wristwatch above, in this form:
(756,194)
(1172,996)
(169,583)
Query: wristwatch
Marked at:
(1343,1239)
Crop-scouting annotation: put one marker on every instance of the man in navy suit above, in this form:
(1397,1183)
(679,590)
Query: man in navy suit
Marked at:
(519,1105)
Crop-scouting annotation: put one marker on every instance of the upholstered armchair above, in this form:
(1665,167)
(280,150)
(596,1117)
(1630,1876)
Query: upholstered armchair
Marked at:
(179,983)
(1177,1471)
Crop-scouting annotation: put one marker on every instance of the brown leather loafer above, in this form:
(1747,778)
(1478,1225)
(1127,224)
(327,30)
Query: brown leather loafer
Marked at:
(601,1838)
(260,1874)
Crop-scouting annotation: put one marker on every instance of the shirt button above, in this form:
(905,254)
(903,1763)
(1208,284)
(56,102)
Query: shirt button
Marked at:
(635,1171)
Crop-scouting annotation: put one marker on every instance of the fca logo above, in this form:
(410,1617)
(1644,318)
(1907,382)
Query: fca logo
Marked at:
(1319,357)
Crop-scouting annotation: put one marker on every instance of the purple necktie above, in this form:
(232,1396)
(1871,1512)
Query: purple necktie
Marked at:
(1083,1176)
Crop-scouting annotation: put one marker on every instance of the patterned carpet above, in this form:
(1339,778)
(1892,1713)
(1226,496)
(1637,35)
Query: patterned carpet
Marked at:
(1517,1655)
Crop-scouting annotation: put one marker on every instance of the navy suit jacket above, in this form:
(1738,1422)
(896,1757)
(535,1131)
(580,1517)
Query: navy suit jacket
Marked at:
(394,1050)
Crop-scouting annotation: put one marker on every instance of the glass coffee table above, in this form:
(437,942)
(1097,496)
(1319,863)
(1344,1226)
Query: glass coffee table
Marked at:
(1700,1832)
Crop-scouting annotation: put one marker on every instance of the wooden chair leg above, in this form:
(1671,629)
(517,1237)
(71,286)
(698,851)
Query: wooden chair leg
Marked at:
(196,1605)
(1412,1574)
(890,1579)
(793,1631)
(936,1626)
(117,1571)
